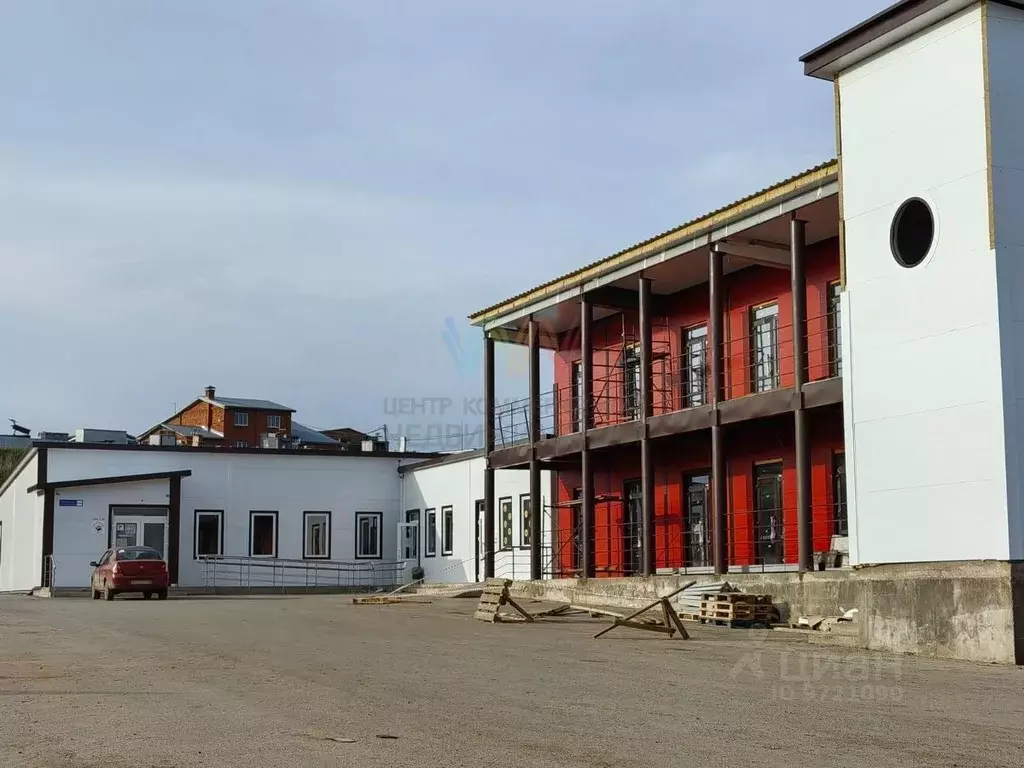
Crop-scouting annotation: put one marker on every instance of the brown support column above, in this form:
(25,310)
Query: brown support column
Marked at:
(716,388)
(798,284)
(536,566)
(586,462)
(488,450)
(646,453)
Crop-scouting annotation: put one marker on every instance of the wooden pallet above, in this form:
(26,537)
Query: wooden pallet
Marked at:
(735,609)
(494,596)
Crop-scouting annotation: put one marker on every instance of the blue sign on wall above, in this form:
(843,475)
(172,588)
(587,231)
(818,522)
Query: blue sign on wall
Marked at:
(70,502)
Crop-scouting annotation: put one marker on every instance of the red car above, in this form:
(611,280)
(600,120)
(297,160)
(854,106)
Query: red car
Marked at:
(130,569)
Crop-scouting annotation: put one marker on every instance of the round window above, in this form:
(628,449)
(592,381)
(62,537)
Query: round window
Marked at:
(913,231)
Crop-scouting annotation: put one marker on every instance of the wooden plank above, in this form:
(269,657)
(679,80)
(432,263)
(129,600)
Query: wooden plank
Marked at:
(670,612)
(525,614)
(649,627)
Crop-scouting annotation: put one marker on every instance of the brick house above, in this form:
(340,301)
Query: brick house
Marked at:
(228,421)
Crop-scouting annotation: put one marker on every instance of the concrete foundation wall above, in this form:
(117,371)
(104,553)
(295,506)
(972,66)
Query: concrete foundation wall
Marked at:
(969,610)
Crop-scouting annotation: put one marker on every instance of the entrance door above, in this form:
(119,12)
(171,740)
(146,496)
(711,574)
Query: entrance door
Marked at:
(154,535)
(407,533)
(139,527)
(768,513)
(632,528)
(411,537)
(481,546)
(696,525)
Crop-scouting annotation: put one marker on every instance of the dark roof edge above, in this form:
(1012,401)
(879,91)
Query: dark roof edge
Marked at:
(230,449)
(868,31)
(110,480)
(437,461)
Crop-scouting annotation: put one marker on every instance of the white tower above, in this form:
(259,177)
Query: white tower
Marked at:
(930,126)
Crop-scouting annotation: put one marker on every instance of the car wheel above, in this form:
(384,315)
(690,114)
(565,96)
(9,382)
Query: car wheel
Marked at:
(162,594)
(95,594)
(108,593)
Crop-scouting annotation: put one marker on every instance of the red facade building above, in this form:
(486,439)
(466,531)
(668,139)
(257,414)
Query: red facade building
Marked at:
(722,370)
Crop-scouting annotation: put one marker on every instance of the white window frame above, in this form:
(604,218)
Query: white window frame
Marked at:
(217,513)
(326,520)
(241,418)
(430,532)
(273,421)
(253,514)
(447,530)
(360,518)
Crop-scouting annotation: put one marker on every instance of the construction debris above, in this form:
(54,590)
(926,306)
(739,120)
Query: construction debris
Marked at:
(671,621)
(494,596)
(735,609)
(388,599)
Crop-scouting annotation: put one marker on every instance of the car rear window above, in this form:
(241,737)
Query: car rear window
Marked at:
(138,554)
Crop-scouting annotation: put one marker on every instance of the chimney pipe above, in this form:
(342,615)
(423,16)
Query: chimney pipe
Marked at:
(211,393)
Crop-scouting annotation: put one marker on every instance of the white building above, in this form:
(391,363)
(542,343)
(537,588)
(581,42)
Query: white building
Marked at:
(246,517)
(446,496)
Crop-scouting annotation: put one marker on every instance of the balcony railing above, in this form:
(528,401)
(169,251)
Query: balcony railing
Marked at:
(753,362)
(758,540)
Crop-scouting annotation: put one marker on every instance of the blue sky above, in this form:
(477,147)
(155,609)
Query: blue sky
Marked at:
(298,199)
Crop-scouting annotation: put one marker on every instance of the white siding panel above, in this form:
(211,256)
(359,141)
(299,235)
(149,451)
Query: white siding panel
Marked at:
(237,484)
(461,484)
(75,543)
(21,517)
(905,107)
(923,384)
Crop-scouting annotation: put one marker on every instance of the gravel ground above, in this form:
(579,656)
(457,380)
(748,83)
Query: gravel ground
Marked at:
(276,681)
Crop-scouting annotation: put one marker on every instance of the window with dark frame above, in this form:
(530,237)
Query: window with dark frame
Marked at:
(525,531)
(840,524)
(695,366)
(764,347)
(430,533)
(505,512)
(241,419)
(631,382)
(447,530)
(577,396)
(368,535)
(273,421)
(209,533)
(316,535)
(835,327)
(263,534)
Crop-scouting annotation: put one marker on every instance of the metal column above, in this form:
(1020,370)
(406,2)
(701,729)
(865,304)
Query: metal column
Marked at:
(536,566)
(650,563)
(488,450)
(587,464)
(719,541)
(798,278)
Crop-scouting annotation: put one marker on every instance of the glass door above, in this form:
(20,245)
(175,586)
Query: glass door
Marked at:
(632,528)
(696,528)
(768,513)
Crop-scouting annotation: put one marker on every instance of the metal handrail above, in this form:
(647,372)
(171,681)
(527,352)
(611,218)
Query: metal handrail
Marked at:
(248,571)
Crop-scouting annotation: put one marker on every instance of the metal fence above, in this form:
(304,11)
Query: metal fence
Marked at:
(284,574)
(755,359)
